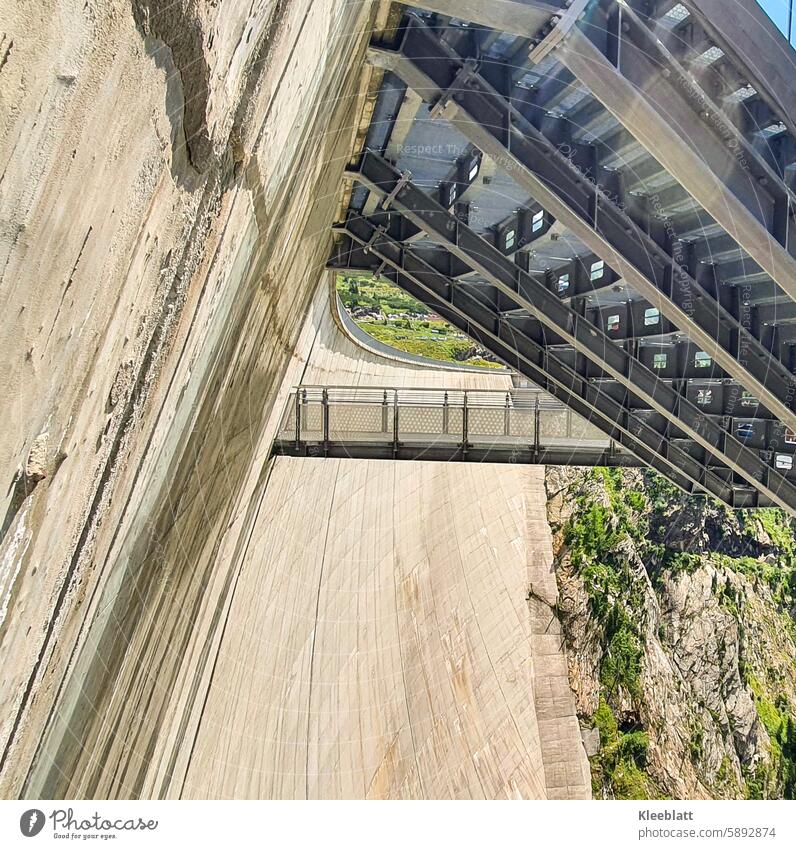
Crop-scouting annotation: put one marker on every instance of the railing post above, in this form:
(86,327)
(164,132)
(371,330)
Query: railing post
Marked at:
(384,413)
(506,415)
(325,404)
(298,420)
(395,424)
(445,413)
(304,407)
(465,429)
(537,421)
(569,423)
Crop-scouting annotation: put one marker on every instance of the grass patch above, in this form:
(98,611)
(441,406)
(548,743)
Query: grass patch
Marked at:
(594,536)
(776,524)
(394,318)
(621,665)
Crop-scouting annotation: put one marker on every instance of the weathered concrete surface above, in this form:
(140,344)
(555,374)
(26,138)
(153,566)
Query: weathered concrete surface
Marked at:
(372,637)
(379,642)
(169,172)
(154,294)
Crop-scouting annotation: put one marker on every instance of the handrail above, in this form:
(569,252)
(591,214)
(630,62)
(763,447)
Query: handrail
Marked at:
(469,418)
(426,397)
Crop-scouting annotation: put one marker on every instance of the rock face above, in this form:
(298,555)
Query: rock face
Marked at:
(169,173)
(678,616)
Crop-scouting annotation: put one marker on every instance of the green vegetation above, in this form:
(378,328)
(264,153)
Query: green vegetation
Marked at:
(679,561)
(594,537)
(391,316)
(614,526)
(779,576)
(776,524)
(375,293)
(621,666)
(619,767)
(661,492)
(780,723)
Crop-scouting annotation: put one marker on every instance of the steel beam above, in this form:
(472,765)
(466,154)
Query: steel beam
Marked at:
(518,17)
(728,398)
(441,452)
(746,34)
(643,95)
(631,316)
(490,122)
(717,166)
(529,294)
(544,367)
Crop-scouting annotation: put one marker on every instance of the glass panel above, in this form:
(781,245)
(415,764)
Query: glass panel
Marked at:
(597,269)
(704,396)
(613,323)
(784,461)
(537,221)
(563,283)
(702,360)
(510,237)
(659,360)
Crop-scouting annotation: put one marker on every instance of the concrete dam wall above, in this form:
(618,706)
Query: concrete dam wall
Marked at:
(180,616)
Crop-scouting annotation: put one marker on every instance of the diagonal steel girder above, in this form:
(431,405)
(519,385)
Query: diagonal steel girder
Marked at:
(430,286)
(481,114)
(768,434)
(542,366)
(413,203)
(746,34)
(527,16)
(704,152)
(658,101)
(733,404)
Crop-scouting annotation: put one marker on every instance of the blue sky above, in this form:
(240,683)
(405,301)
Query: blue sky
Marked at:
(778,10)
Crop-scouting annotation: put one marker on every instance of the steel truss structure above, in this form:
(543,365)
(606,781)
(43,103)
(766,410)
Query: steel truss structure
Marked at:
(608,207)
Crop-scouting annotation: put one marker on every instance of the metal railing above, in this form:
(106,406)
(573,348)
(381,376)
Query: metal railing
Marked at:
(323,416)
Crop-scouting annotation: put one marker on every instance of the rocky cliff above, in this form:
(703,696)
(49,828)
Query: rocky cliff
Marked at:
(678,616)
(169,172)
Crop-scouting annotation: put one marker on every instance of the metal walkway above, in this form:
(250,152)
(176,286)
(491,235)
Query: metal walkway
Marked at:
(602,194)
(520,426)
